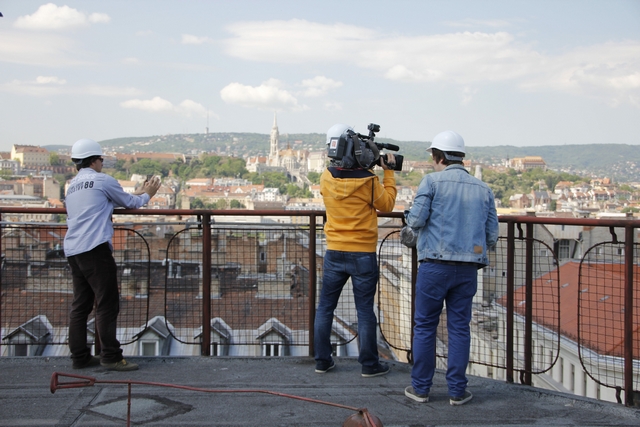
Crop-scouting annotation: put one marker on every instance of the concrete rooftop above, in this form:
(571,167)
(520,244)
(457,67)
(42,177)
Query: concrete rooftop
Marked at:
(26,400)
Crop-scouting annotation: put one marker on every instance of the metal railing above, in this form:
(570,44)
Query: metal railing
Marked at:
(245,283)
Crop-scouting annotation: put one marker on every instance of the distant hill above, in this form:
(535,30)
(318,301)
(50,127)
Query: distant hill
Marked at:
(618,161)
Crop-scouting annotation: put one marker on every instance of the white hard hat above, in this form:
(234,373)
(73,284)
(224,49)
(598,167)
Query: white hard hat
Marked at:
(84,148)
(448,141)
(336,131)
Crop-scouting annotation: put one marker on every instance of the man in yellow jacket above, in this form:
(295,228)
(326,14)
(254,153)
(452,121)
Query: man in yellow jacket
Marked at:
(352,195)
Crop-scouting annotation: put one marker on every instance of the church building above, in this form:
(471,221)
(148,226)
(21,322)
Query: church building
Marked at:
(293,161)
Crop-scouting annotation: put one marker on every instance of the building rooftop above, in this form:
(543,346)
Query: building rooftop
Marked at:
(254,392)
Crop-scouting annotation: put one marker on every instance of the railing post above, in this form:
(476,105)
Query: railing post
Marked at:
(205,350)
(528,316)
(1,271)
(414,279)
(628,317)
(312,281)
(510,297)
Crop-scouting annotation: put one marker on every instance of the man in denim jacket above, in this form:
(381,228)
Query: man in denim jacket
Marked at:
(455,217)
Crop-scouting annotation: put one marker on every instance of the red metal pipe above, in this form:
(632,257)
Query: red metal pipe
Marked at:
(86,381)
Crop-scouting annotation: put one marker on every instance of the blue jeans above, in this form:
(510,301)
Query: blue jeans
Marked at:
(362,267)
(436,283)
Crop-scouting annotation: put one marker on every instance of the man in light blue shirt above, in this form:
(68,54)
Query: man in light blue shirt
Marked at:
(90,200)
(455,217)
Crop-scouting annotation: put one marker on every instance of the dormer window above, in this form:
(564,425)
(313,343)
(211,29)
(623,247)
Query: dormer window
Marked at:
(30,338)
(155,339)
(275,338)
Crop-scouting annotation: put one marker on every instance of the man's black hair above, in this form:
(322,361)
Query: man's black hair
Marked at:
(85,163)
(439,155)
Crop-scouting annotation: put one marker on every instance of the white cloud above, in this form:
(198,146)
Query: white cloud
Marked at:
(190,39)
(50,79)
(402,73)
(109,91)
(186,108)
(609,72)
(474,23)
(131,61)
(154,105)
(333,106)
(267,96)
(50,50)
(32,88)
(191,108)
(456,57)
(51,85)
(467,95)
(52,17)
(295,41)
(318,86)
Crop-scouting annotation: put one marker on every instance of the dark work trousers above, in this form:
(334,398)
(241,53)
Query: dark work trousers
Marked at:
(95,277)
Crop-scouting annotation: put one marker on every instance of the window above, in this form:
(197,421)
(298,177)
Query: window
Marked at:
(541,356)
(271,349)
(563,249)
(149,348)
(572,380)
(20,350)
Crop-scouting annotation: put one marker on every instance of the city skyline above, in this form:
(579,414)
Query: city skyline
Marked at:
(498,72)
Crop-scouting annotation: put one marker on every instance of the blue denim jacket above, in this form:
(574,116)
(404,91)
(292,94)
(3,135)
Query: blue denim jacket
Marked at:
(455,216)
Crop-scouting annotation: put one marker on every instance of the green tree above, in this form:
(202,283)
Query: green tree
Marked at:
(197,203)
(314,177)
(54,159)
(235,204)
(221,204)
(149,167)
(411,179)
(293,190)
(277,180)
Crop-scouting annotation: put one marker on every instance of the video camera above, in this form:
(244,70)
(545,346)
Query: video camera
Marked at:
(352,149)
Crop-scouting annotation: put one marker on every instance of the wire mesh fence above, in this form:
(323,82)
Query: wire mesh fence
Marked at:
(36,288)
(535,329)
(261,291)
(394,294)
(601,313)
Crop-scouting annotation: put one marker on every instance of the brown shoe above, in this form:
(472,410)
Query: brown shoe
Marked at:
(121,366)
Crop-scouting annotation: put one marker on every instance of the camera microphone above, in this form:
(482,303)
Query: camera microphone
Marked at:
(387,146)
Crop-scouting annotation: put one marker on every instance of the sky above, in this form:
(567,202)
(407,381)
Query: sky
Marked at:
(512,72)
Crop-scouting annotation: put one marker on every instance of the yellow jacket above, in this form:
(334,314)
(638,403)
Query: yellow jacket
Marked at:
(351,198)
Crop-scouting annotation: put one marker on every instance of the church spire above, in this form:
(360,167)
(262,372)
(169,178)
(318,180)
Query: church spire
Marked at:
(274,152)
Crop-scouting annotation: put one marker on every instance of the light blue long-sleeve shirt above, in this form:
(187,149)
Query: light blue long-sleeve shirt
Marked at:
(455,216)
(90,200)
